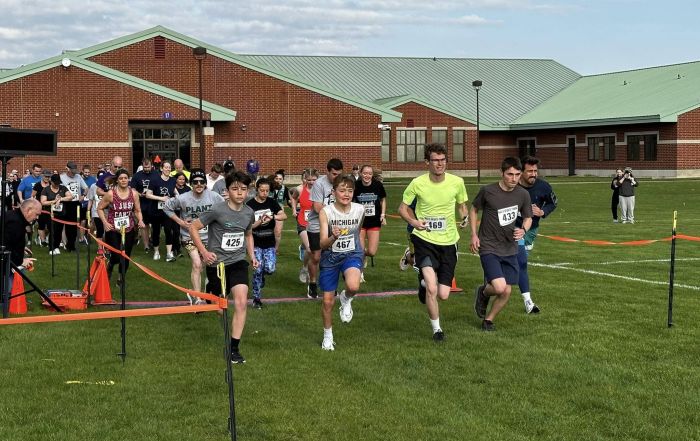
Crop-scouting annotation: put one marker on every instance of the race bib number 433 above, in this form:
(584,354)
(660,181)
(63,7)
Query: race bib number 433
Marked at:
(507,216)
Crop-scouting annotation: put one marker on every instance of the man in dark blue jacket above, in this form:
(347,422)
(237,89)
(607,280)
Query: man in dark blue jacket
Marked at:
(544,201)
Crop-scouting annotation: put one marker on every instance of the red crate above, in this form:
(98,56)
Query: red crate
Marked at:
(67,299)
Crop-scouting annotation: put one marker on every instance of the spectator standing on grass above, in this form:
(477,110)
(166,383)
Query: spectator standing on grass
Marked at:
(184,209)
(230,239)
(160,190)
(124,212)
(44,220)
(25,189)
(434,234)
(496,240)
(321,195)
(267,213)
(93,200)
(341,255)
(615,187)
(627,184)
(53,199)
(253,167)
(75,183)
(543,201)
(141,181)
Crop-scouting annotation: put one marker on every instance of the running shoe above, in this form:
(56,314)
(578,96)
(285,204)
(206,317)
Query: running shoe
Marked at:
(301,253)
(156,255)
(403,262)
(328,344)
(438,336)
(304,275)
(236,357)
(362,277)
(312,291)
(55,252)
(170,257)
(531,308)
(345,308)
(488,326)
(481,301)
(257,303)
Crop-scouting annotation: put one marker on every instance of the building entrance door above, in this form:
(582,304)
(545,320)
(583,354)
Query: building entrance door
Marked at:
(166,142)
(526,147)
(571,147)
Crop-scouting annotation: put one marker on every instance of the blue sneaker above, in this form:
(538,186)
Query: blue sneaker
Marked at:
(301,253)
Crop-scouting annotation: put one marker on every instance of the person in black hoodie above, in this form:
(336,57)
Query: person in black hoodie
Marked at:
(615,187)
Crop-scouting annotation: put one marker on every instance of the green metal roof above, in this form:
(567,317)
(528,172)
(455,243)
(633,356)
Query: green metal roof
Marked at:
(651,95)
(218,113)
(511,87)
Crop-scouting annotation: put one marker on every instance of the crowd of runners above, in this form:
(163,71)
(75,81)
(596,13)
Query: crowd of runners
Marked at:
(232,217)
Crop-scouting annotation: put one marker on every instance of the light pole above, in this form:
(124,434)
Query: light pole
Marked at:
(200,53)
(476,84)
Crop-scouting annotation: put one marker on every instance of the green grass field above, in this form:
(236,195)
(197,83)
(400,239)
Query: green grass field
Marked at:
(598,363)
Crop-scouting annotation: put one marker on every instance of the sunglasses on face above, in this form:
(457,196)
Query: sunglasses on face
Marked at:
(198,182)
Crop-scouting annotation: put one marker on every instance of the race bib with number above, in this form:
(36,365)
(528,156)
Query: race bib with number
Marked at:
(306,215)
(507,216)
(161,205)
(260,213)
(122,221)
(57,207)
(73,187)
(436,223)
(369,210)
(204,229)
(232,241)
(344,244)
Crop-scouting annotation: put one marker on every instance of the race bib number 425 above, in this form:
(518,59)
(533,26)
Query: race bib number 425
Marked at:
(507,216)
(232,241)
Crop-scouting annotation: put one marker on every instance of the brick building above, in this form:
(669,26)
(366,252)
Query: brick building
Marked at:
(139,96)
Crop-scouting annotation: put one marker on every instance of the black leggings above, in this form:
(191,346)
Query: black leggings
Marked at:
(161,220)
(613,205)
(99,228)
(55,233)
(114,239)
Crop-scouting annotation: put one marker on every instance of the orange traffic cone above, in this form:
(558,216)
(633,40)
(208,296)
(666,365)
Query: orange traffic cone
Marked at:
(99,283)
(18,304)
(454,287)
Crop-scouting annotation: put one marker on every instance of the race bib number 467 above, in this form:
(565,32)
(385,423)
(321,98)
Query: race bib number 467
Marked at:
(507,216)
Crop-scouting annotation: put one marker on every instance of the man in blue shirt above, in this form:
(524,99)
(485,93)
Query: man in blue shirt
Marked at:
(544,201)
(24,191)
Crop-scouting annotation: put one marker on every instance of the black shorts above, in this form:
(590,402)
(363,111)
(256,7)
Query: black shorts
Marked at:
(146,216)
(236,274)
(442,258)
(314,241)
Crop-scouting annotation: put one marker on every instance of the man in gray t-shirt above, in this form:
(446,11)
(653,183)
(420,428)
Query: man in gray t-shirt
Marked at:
(191,206)
(497,239)
(76,185)
(321,195)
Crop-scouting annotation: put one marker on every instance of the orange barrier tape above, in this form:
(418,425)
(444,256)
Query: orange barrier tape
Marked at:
(628,243)
(111,314)
(146,270)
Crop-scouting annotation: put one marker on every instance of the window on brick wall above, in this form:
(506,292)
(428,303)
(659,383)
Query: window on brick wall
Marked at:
(386,145)
(638,143)
(410,145)
(601,148)
(439,136)
(458,146)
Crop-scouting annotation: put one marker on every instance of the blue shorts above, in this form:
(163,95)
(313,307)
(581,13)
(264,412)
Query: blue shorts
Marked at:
(496,267)
(328,277)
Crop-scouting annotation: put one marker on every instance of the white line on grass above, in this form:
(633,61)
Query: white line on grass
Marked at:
(618,262)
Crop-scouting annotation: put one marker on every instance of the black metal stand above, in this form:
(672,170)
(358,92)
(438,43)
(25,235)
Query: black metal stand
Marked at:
(229,375)
(669,322)
(52,234)
(77,248)
(35,288)
(122,278)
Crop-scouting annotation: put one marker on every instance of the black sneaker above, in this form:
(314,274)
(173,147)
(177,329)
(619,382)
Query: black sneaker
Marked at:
(237,358)
(257,303)
(488,326)
(481,301)
(421,291)
(438,336)
(312,291)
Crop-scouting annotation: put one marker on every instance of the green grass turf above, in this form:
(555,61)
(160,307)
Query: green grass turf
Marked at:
(598,363)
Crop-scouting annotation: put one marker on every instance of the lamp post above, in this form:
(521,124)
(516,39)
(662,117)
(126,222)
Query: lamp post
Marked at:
(476,84)
(200,53)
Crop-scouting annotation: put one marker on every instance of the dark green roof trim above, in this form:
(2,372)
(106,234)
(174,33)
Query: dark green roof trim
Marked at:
(217,113)
(387,115)
(401,100)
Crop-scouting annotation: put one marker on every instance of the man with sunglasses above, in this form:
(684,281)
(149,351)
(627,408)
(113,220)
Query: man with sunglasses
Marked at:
(191,206)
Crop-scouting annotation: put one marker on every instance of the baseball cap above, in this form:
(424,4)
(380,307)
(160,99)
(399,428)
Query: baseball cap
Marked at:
(228,166)
(72,166)
(56,179)
(197,173)
(47,173)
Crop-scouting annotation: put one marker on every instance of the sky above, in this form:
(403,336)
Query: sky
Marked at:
(589,37)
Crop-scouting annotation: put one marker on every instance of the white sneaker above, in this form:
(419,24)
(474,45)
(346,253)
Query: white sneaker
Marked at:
(304,275)
(403,263)
(200,301)
(345,307)
(55,252)
(362,277)
(328,344)
(191,299)
(156,255)
(531,308)
(170,257)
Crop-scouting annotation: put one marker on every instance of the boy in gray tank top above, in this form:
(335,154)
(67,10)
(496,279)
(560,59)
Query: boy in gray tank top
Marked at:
(230,238)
